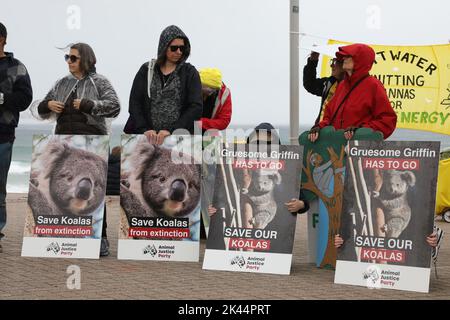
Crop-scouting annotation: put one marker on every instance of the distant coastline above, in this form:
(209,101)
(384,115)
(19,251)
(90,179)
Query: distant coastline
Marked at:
(20,166)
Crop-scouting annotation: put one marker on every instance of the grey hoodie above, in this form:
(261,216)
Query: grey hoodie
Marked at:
(104,103)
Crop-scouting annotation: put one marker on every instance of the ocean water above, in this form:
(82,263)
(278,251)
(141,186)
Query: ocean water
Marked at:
(19,172)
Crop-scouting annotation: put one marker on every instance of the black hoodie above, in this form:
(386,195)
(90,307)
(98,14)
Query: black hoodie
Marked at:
(173,105)
(113,181)
(15,85)
(267,128)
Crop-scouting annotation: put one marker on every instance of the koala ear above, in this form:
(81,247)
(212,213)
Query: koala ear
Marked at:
(409,177)
(276,178)
(54,150)
(144,151)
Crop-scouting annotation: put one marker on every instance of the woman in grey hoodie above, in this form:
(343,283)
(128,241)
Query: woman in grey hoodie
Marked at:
(83,102)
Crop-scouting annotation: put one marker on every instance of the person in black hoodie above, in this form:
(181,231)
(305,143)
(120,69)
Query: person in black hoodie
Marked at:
(322,87)
(112,189)
(167,93)
(266,133)
(113,181)
(15,96)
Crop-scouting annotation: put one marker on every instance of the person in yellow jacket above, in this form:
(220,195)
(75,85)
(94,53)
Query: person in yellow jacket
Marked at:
(443,190)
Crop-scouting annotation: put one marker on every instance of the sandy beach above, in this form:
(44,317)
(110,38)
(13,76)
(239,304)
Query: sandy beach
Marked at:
(109,278)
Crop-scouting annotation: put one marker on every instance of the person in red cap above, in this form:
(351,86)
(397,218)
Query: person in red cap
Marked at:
(360,100)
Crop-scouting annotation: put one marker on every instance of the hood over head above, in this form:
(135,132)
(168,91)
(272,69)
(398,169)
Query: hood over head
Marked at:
(167,35)
(265,127)
(363,58)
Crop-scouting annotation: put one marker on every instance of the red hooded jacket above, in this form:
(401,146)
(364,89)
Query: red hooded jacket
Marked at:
(221,116)
(368,104)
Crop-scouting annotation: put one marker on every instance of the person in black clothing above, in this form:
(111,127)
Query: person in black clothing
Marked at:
(266,133)
(113,182)
(322,87)
(15,96)
(112,189)
(166,94)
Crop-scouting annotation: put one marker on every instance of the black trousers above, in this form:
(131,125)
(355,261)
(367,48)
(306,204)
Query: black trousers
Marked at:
(105,225)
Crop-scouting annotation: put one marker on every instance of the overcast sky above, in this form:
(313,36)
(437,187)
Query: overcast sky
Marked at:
(247,39)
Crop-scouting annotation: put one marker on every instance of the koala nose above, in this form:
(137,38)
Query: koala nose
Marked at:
(83,190)
(177,190)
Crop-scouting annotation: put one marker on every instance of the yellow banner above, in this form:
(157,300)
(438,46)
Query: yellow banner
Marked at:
(417,81)
(443,188)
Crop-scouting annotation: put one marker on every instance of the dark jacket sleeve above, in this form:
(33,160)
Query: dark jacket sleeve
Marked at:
(311,83)
(137,100)
(306,202)
(113,181)
(193,104)
(21,96)
(43,107)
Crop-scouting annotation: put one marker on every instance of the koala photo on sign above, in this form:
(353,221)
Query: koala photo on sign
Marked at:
(250,194)
(67,186)
(388,204)
(160,189)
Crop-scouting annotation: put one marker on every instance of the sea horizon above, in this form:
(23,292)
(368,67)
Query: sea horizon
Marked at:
(19,172)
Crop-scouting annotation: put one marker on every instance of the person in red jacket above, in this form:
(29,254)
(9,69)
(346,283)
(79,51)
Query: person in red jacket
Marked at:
(216,100)
(360,100)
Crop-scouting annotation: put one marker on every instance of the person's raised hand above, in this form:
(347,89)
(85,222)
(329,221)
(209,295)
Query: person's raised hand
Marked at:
(314,56)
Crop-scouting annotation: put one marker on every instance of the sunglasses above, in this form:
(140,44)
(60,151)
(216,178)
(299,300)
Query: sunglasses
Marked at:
(72,58)
(334,62)
(175,48)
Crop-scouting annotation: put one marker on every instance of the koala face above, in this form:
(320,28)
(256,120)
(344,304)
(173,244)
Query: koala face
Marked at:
(169,189)
(264,181)
(77,180)
(396,183)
